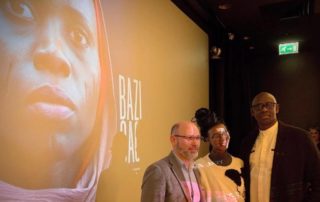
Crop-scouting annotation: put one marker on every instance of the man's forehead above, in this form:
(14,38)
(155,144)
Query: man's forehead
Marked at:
(189,129)
(263,97)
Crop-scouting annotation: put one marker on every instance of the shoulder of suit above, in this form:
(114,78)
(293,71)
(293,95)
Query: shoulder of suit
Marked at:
(284,127)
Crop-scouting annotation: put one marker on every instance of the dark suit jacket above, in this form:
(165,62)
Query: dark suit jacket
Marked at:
(162,182)
(296,166)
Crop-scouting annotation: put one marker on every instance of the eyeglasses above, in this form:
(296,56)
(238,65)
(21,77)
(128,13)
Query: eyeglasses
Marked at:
(267,105)
(220,135)
(189,138)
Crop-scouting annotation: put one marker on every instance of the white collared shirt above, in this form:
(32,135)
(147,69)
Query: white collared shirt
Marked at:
(261,160)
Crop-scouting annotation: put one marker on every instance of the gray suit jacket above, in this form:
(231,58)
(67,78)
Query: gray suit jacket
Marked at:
(162,181)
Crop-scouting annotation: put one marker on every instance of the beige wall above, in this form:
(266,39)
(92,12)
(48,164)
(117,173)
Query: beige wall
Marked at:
(160,65)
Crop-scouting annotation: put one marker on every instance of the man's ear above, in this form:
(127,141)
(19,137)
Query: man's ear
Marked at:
(277,108)
(172,139)
(251,112)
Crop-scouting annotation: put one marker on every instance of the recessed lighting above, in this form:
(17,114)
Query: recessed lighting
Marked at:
(246,38)
(230,36)
(224,6)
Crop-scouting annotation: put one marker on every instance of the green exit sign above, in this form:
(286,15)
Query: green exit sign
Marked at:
(288,48)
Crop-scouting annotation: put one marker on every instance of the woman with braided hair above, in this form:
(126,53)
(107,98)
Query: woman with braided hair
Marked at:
(220,171)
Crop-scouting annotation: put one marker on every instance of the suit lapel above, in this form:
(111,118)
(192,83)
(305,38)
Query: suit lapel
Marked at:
(177,172)
(278,153)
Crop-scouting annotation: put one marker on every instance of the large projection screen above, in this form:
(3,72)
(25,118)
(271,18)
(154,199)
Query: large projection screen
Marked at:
(88,92)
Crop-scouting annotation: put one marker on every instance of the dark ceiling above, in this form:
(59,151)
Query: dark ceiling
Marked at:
(262,23)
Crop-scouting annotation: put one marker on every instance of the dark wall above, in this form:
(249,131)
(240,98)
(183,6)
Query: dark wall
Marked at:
(242,73)
(294,80)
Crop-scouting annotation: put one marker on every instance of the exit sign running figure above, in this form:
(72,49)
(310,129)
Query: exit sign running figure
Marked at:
(288,48)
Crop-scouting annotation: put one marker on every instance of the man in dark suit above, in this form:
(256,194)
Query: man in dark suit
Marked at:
(173,178)
(281,162)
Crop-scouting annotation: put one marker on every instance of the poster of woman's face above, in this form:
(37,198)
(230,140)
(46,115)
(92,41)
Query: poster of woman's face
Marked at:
(51,98)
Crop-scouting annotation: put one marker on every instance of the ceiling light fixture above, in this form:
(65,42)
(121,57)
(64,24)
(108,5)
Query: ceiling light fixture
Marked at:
(224,6)
(215,52)
(230,36)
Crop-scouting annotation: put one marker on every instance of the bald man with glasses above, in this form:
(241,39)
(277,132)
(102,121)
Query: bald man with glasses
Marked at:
(281,163)
(173,178)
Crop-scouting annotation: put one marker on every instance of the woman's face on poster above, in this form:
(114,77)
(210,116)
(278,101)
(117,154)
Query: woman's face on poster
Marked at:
(49,75)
